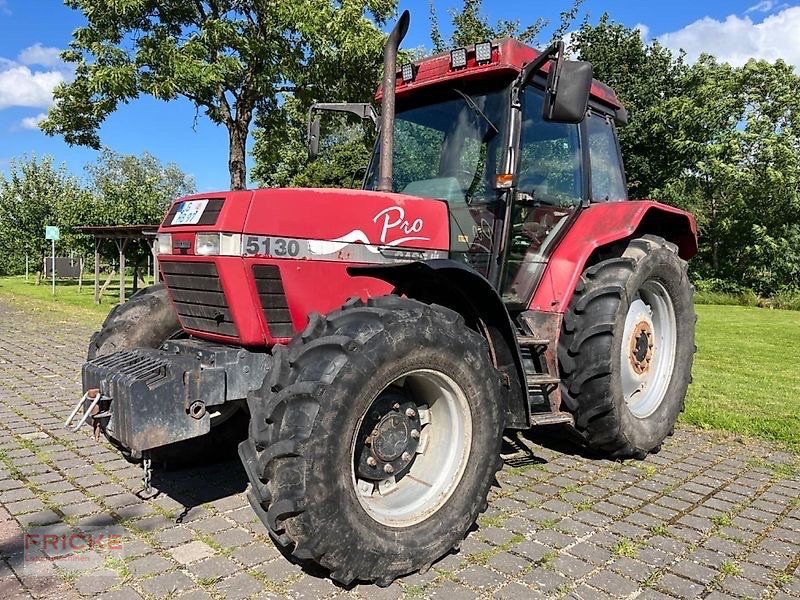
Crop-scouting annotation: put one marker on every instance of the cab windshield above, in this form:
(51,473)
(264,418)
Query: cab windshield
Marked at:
(448,145)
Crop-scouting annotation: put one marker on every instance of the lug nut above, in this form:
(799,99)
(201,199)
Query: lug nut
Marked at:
(388,468)
(372,462)
(414,434)
(406,457)
(411,413)
(396,406)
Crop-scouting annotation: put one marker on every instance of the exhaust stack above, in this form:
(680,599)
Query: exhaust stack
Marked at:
(388,101)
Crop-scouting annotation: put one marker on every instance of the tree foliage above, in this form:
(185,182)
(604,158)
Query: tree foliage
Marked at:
(120,190)
(228,57)
(720,141)
(31,194)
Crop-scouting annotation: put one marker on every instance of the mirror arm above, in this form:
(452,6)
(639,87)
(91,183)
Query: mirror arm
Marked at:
(362,110)
(550,91)
(528,70)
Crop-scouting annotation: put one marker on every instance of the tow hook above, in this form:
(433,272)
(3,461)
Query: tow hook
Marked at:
(93,396)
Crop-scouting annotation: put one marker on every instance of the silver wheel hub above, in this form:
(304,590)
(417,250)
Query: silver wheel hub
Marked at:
(412,447)
(649,344)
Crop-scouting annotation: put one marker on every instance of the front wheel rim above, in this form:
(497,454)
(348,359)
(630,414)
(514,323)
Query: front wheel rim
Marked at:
(649,345)
(411,448)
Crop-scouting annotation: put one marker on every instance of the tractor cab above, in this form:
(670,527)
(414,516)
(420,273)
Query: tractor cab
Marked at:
(480,129)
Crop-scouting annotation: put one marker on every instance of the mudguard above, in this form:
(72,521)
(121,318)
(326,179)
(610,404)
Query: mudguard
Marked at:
(601,225)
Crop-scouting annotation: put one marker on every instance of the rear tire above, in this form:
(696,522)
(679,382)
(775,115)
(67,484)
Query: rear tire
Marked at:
(147,320)
(360,370)
(626,349)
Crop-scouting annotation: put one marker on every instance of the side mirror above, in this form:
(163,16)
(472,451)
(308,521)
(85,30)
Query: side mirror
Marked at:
(313,137)
(566,98)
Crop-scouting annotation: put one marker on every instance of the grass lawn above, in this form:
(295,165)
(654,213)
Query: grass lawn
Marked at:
(67,300)
(746,370)
(747,373)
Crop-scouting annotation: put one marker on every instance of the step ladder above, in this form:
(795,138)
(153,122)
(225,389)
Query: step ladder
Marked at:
(543,384)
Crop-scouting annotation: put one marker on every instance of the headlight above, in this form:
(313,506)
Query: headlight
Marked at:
(218,244)
(163,243)
(206,244)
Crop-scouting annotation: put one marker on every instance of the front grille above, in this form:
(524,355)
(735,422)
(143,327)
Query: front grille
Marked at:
(197,293)
(273,300)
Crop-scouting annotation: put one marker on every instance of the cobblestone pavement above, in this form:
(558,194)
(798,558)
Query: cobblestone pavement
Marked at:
(707,517)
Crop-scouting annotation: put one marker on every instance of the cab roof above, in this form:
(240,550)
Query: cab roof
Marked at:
(509,56)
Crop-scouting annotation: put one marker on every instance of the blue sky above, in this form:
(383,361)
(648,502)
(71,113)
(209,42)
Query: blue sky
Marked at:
(31,32)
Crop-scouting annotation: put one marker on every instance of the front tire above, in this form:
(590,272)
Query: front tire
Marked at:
(626,349)
(420,385)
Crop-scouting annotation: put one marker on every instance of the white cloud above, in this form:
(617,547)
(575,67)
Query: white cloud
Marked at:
(30,79)
(32,122)
(19,86)
(765,6)
(737,39)
(644,31)
(41,55)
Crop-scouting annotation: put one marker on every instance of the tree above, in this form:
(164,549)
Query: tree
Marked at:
(646,77)
(134,190)
(31,195)
(740,130)
(122,190)
(228,57)
(720,141)
(471,26)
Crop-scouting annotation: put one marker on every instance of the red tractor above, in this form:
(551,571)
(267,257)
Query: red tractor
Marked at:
(491,275)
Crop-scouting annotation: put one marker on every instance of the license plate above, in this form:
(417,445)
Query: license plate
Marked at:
(264,245)
(189,212)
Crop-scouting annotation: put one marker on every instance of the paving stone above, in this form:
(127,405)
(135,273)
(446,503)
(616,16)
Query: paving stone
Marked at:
(590,552)
(125,593)
(544,581)
(740,587)
(679,587)
(571,567)
(96,582)
(512,591)
(174,536)
(508,563)
(694,571)
(191,552)
(149,565)
(256,553)
(480,577)
(241,585)
(166,584)
(612,583)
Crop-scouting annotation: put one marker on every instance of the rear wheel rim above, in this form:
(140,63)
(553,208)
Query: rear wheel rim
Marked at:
(649,344)
(420,425)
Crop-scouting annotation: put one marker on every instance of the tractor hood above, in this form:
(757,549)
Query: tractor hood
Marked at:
(309,223)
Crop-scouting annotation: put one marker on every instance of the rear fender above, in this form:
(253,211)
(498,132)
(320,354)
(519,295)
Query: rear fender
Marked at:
(464,290)
(599,227)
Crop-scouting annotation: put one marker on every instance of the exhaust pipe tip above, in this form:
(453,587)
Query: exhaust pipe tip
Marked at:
(388,101)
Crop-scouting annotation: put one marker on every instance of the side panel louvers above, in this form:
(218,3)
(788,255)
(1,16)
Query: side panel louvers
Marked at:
(273,300)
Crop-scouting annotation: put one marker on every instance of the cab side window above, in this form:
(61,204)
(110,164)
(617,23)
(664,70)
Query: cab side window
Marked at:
(550,168)
(608,181)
